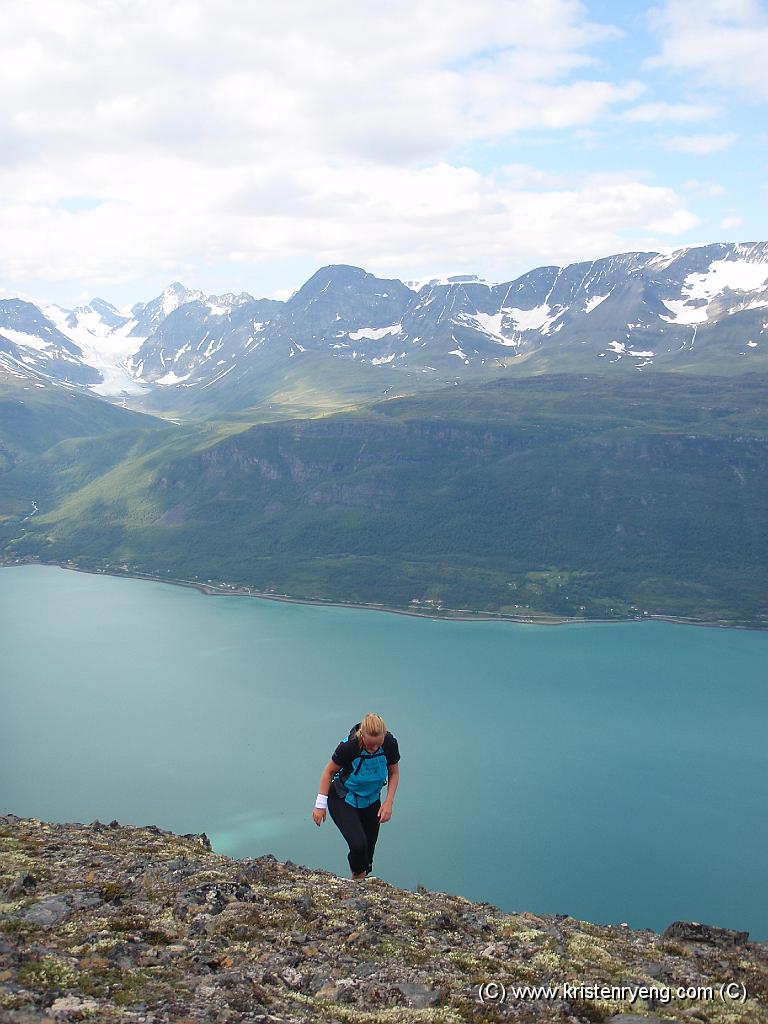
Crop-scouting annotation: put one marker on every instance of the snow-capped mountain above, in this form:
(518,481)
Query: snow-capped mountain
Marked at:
(147,316)
(32,345)
(701,306)
(641,308)
(202,338)
(224,331)
(103,335)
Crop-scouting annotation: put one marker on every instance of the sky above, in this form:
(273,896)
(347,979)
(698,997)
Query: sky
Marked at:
(239,146)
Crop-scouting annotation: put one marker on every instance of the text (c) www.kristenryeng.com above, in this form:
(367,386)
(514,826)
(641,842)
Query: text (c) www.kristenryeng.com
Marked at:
(726,992)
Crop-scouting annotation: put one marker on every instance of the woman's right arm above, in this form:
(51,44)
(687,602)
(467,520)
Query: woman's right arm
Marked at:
(318,813)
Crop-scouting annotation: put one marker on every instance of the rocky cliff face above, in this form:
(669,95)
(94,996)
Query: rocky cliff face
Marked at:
(121,923)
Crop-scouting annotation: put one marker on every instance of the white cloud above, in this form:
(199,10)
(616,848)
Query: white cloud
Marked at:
(541,105)
(189,134)
(700,145)
(720,42)
(395,219)
(729,223)
(657,113)
(525,176)
(707,189)
(233,80)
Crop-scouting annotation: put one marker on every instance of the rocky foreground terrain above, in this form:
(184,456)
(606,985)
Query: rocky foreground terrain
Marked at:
(120,923)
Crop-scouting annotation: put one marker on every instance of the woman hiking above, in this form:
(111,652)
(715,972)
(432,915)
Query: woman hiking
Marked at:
(350,788)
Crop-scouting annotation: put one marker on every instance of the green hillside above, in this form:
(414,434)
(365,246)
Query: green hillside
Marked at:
(35,416)
(566,496)
(54,440)
(316,385)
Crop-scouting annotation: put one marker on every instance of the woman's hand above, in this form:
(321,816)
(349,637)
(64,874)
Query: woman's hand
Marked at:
(323,789)
(385,811)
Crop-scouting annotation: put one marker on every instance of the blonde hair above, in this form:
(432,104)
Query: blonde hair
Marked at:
(371,725)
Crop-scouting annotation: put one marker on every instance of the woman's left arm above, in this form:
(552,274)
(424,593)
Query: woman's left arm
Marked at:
(392,781)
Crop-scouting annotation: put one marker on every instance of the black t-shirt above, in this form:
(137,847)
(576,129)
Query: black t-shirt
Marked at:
(346,752)
(365,789)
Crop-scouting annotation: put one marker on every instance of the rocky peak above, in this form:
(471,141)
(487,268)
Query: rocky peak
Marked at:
(109,314)
(150,315)
(338,280)
(111,922)
(340,299)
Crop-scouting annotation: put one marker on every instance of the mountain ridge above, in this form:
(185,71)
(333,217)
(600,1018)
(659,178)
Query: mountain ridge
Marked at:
(701,309)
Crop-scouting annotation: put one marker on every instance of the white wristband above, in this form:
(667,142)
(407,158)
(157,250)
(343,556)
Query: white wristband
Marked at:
(322,801)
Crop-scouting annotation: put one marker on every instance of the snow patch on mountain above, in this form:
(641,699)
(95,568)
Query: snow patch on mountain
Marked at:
(459,352)
(539,318)
(620,349)
(375,333)
(172,378)
(27,340)
(446,279)
(489,323)
(700,289)
(683,313)
(594,302)
(738,275)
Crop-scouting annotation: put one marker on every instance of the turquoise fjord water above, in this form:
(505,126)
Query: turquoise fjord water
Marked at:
(611,772)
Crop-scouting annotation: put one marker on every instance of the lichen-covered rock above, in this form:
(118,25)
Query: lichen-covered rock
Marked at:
(117,923)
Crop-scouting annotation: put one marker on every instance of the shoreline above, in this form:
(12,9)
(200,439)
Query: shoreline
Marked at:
(462,615)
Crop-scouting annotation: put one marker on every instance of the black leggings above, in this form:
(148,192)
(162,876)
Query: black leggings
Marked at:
(360,828)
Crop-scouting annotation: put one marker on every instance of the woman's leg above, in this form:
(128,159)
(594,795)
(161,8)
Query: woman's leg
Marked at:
(371,825)
(350,825)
